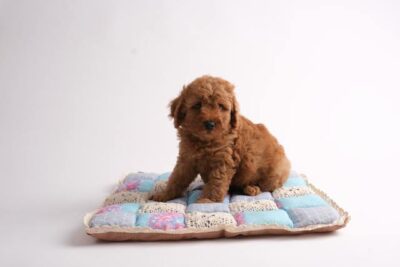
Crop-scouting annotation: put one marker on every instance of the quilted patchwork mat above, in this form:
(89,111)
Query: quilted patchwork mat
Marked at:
(297,207)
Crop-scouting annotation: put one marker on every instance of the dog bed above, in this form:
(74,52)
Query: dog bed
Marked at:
(297,207)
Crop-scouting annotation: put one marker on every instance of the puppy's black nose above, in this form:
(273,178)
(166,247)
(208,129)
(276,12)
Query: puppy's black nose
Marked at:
(209,125)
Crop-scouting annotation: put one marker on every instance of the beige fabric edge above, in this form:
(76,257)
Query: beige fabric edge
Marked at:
(112,233)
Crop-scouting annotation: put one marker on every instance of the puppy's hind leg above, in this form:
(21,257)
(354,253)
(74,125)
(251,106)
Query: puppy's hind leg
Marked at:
(275,176)
(246,179)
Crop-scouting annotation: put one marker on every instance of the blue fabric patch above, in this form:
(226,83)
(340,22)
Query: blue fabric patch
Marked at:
(163,177)
(116,215)
(279,217)
(315,215)
(146,185)
(295,181)
(193,196)
(306,201)
(114,219)
(130,207)
(143,220)
(208,207)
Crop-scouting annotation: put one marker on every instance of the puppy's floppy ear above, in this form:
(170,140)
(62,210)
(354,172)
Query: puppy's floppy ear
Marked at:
(177,112)
(234,113)
(235,117)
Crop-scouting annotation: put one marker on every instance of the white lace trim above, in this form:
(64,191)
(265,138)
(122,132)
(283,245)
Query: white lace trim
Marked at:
(208,220)
(127,196)
(158,207)
(292,191)
(257,205)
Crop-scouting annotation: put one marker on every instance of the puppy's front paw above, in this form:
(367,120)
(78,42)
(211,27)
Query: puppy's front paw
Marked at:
(161,196)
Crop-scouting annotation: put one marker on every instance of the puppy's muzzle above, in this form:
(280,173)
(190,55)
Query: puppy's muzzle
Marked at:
(209,125)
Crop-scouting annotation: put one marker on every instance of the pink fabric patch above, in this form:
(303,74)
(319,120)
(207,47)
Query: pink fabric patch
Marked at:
(239,217)
(133,185)
(166,221)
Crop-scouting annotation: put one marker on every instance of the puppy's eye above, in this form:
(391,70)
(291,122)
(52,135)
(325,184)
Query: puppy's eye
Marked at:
(222,107)
(197,106)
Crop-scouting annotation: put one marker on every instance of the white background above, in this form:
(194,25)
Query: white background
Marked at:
(84,88)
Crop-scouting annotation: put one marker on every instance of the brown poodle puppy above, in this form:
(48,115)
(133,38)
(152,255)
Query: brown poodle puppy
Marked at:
(225,148)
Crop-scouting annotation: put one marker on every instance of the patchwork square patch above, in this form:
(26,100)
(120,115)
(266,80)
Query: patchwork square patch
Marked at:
(293,181)
(208,207)
(273,217)
(116,215)
(136,184)
(163,221)
(315,215)
(306,201)
(202,220)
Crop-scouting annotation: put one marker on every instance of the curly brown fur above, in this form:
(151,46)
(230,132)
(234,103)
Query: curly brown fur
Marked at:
(225,148)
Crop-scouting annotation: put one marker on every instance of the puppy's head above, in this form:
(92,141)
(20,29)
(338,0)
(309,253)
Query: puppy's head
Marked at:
(206,108)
